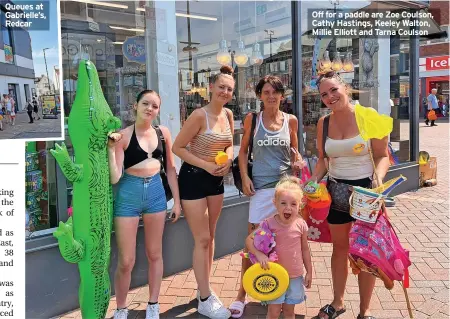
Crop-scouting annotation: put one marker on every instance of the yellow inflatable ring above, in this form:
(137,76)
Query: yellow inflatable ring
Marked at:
(265,285)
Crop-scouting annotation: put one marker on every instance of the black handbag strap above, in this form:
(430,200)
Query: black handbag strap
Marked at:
(252,132)
(326,123)
(163,141)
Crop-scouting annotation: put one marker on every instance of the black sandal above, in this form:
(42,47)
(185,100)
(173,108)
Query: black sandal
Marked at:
(365,317)
(331,312)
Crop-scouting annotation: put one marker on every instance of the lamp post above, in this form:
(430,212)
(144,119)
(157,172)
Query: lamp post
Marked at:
(55,111)
(48,78)
(270,33)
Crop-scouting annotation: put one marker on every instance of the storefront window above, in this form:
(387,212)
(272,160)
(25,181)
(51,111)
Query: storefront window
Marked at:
(172,47)
(326,52)
(40,189)
(265,31)
(400,99)
(361,63)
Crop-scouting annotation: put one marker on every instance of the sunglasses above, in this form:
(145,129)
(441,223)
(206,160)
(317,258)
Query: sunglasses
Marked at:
(328,75)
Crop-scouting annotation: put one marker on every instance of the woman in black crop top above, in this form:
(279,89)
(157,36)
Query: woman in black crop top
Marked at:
(137,151)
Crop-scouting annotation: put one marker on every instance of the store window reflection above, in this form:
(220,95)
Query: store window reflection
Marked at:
(253,37)
(321,55)
(40,189)
(100,50)
(175,48)
(361,62)
(400,98)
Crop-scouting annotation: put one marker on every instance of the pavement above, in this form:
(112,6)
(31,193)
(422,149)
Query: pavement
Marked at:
(422,223)
(43,128)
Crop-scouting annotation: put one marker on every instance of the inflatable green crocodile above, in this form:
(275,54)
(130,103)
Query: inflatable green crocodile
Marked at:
(85,237)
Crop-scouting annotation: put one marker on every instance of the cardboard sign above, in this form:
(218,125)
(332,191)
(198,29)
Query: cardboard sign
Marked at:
(428,170)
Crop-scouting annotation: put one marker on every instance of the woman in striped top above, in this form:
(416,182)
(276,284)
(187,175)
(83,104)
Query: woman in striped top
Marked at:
(207,131)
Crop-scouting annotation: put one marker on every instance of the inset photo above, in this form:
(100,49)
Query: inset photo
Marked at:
(30,95)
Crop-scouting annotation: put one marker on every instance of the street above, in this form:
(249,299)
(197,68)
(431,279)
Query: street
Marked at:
(43,128)
(422,223)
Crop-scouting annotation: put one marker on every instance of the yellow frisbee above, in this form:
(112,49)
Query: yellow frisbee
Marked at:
(265,285)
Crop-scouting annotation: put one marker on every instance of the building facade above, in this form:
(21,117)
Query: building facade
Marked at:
(174,47)
(434,63)
(56,79)
(43,86)
(16,62)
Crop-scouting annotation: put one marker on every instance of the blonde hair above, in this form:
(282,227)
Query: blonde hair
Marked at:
(290,184)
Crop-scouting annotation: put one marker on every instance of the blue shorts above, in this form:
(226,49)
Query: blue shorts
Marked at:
(295,294)
(136,195)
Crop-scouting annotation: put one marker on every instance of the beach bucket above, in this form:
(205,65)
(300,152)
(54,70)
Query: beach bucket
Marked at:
(318,210)
(365,204)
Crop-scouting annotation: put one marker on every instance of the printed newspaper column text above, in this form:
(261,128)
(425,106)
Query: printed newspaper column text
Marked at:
(12,230)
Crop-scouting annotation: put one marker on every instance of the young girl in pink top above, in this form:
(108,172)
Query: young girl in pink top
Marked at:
(291,247)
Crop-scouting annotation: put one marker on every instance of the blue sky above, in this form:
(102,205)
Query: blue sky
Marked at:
(45,39)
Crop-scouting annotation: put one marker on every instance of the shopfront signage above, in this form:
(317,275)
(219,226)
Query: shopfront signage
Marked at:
(48,105)
(133,69)
(438,63)
(133,49)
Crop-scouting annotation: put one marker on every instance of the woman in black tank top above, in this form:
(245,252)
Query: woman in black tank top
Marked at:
(136,156)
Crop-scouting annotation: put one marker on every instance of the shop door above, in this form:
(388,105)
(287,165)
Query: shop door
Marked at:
(27,92)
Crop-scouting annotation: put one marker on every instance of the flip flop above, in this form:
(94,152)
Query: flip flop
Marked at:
(365,317)
(239,306)
(330,312)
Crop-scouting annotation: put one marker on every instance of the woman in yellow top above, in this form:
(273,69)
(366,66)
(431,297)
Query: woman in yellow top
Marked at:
(207,131)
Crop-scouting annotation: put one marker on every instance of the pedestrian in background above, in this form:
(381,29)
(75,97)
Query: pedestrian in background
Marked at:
(13,116)
(36,109)
(1,119)
(7,104)
(432,103)
(30,111)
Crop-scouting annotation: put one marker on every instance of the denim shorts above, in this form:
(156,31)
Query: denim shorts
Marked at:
(136,195)
(295,294)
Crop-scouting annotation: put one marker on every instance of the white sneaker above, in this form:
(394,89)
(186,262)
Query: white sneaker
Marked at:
(121,314)
(152,311)
(213,308)
(212,293)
